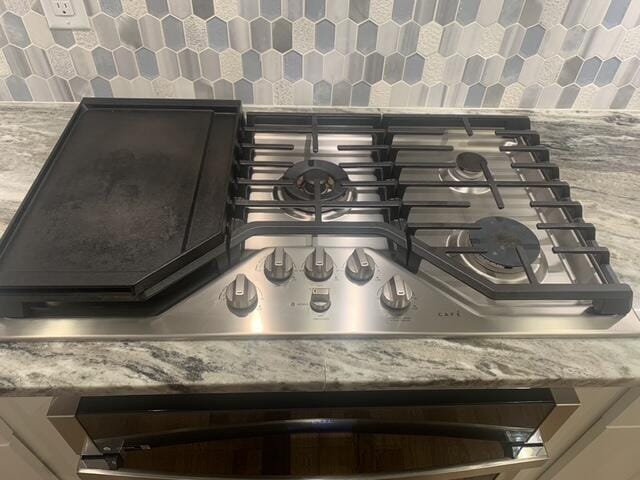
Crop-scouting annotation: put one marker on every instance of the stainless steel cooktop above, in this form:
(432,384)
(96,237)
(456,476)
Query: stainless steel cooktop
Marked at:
(498,242)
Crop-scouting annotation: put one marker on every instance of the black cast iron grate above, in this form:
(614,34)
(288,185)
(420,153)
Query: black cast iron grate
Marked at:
(608,297)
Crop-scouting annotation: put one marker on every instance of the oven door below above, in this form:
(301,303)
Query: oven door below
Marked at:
(372,435)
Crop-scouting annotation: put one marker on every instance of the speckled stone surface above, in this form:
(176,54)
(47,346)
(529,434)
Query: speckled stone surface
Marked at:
(598,155)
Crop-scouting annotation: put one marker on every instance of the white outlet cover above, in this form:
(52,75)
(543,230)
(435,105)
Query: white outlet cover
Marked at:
(78,21)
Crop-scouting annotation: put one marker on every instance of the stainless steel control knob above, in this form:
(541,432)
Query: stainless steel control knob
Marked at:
(360,266)
(396,294)
(278,265)
(318,266)
(242,294)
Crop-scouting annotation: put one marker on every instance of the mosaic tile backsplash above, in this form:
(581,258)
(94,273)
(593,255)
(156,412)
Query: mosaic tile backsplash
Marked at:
(451,53)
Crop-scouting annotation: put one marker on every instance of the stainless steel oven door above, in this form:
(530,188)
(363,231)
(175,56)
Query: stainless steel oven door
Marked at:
(456,435)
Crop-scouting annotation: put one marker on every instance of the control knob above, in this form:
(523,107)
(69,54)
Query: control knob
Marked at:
(360,266)
(278,265)
(318,266)
(241,294)
(396,294)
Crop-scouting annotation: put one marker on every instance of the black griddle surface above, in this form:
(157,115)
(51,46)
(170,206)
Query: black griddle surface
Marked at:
(129,192)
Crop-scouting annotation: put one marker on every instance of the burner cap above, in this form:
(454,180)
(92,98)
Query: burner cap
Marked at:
(304,174)
(500,236)
(470,162)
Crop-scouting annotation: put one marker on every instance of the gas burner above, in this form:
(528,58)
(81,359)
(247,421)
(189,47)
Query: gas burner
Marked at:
(501,236)
(304,176)
(468,168)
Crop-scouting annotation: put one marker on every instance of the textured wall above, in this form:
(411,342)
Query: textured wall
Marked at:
(492,53)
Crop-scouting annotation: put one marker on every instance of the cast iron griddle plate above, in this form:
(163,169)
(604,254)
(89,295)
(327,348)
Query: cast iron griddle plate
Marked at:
(132,186)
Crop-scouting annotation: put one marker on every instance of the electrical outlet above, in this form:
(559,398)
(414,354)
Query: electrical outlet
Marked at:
(66,14)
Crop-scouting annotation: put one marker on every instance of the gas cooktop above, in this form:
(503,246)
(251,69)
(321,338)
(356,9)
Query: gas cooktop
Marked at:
(189,219)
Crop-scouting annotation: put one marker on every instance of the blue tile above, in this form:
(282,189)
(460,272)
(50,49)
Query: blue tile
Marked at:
(218,34)
(325,36)
(251,65)
(607,72)
(270,9)
(101,88)
(322,93)
(615,13)
(402,11)
(18,89)
(467,11)
(243,91)
(314,9)
(147,63)
(588,71)
(413,68)
(292,66)
(112,8)
(173,33)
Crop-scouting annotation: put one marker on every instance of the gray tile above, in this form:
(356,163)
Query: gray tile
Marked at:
(409,34)
(101,87)
(217,34)
(588,71)
(510,12)
(325,36)
(373,67)
(64,38)
(418,95)
(473,69)
(512,40)
(532,40)
(312,67)
(249,9)
(263,92)
(158,8)
(239,34)
(17,61)
(293,9)
(492,70)
(446,11)
(125,63)
(615,13)
(251,65)
(467,11)
(358,10)
(475,95)
(174,33)
(260,35)
(202,89)
(223,89)
(203,8)
(243,91)
(437,94)
(413,68)
(147,63)
(341,94)
(80,88)
(354,67)
(449,40)
(511,71)
(272,66)
(189,64)
(210,63)
(60,89)
(625,73)
(129,31)
(531,12)
(168,66)
(111,7)
(393,67)
(424,11)
(346,35)
(607,72)
(281,32)
(292,66)
(3,38)
(574,12)
(388,35)
(530,96)
(333,69)
(572,41)
(621,100)
(360,94)
(569,71)
(106,30)
(337,11)
(314,9)
(105,65)
(399,95)
(493,96)
(402,10)
(180,8)
(322,93)
(270,9)
(367,37)
(39,62)
(18,89)
(151,32)
(568,97)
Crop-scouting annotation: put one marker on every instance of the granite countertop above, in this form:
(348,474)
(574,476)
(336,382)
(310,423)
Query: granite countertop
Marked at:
(598,155)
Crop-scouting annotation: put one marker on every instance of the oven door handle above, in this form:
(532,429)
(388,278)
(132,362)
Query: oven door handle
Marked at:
(508,436)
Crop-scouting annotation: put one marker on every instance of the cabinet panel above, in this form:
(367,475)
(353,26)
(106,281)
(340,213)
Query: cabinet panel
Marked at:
(17,461)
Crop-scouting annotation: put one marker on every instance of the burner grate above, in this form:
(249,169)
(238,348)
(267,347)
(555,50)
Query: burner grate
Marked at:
(608,296)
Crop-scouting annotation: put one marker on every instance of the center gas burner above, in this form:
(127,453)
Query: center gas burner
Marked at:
(469,166)
(304,177)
